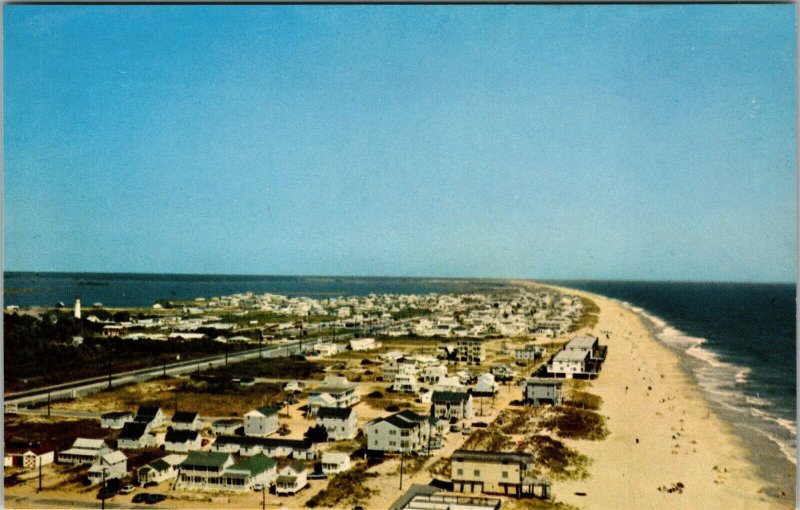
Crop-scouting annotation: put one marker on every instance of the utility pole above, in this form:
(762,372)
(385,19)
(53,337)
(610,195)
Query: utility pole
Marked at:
(263,498)
(103,499)
(48,403)
(40,473)
(402,458)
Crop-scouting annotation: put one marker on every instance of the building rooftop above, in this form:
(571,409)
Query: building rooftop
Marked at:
(254,465)
(133,430)
(339,413)
(492,456)
(181,436)
(449,397)
(184,417)
(571,355)
(205,460)
(581,342)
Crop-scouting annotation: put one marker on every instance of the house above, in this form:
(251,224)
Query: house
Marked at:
(159,470)
(107,466)
(135,435)
(341,423)
(406,383)
(510,474)
(335,462)
(486,385)
(291,479)
(363,344)
(405,431)
(568,363)
(470,350)
(182,440)
(529,353)
(185,420)
(590,344)
(326,349)
(538,391)
(243,475)
(426,497)
(261,422)
(83,451)
(293,386)
(114,330)
(203,470)
(29,457)
(432,374)
(115,420)
(334,392)
(451,404)
(449,383)
(150,415)
(225,426)
(270,446)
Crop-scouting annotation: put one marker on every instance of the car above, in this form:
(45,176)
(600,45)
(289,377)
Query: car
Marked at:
(105,494)
(152,499)
(140,498)
(454,427)
(436,445)
(127,489)
(151,484)
(258,487)
(480,424)
(467,431)
(284,432)
(317,476)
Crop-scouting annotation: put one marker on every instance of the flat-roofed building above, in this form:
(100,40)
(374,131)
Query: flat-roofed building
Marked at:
(539,390)
(510,474)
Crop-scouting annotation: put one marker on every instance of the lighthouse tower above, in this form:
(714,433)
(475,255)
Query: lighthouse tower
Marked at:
(77,307)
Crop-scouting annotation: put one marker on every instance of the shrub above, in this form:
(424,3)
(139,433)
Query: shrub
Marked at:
(575,423)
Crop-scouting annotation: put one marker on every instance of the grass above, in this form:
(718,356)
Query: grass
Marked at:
(589,316)
(576,423)
(536,504)
(441,468)
(488,440)
(278,368)
(59,433)
(517,421)
(584,400)
(560,461)
(344,489)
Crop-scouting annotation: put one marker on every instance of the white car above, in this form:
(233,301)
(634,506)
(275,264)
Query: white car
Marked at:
(127,489)
(258,487)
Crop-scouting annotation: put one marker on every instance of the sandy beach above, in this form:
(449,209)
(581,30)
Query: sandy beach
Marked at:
(662,432)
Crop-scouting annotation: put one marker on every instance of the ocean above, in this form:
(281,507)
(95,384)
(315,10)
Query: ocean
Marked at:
(738,342)
(142,290)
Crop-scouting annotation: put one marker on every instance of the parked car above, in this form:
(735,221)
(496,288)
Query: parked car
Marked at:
(284,432)
(140,498)
(479,424)
(151,484)
(127,489)
(455,427)
(105,493)
(467,431)
(317,476)
(152,499)
(436,445)
(258,487)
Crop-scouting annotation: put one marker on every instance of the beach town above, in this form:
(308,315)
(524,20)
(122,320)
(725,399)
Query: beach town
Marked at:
(534,397)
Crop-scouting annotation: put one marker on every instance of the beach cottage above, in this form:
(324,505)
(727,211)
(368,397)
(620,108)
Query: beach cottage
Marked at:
(340,423)
(261,422)
(291,479)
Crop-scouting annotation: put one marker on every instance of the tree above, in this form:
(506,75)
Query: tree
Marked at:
(317,434)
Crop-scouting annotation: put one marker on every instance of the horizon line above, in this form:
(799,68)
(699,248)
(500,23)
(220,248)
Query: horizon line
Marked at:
(487,278)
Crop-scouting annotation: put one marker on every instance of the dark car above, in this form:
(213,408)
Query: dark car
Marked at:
(479,424)
(105,494)
(140,498)
(152,499)
(151,484)
(317,476)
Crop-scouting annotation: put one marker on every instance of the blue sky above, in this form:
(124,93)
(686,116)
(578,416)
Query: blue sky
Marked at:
(631,142)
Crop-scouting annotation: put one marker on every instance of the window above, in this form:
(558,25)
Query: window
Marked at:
(505,474)
(460,471)
(477,472)
(404,433)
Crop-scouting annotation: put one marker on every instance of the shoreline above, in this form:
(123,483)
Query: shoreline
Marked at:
(650,396)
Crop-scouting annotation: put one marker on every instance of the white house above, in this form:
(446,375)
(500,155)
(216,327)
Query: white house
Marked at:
(203,470)
(182,440)
(486,385)
(406,383)
(225,426)
(340,423)
(363,344)
(326,349)
(150,415)
(258,469)
(261,422)
(451,404)
(185,420)
(159,470)
(335,462)
(83,451)
(291,479)
(568,362)
(28,457)
(115,420)
(449,383)
(334,392)
(135,435)
(432,374)
(405,431)
(107,466)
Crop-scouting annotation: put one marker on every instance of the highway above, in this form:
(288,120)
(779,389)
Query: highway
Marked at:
(76,389)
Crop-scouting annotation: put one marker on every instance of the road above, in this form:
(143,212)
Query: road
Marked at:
(78,388)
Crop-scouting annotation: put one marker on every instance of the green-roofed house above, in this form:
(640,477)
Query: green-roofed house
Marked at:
(203,470)
(217,471)
(160,470)
(261,422)
(246,473)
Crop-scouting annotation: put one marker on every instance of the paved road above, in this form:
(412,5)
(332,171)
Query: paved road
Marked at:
(76,389)
(43,502)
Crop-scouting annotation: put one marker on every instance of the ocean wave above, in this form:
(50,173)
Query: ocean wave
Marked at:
(724,383)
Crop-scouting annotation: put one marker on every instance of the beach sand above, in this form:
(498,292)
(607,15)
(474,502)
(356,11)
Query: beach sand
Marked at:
(647,396)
